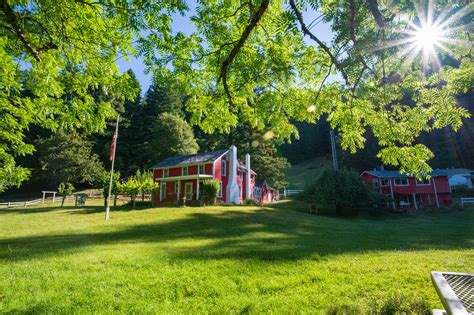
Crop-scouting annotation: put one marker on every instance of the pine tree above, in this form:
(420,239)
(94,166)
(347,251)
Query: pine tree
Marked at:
(171,135)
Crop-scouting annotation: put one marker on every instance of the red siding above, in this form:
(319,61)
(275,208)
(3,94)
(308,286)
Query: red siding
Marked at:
(212,168)
(218,175)
(424,193)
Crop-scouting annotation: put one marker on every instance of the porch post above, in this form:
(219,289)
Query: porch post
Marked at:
(197,188)
(414,201)
(436,192)
(391,193)
(179,190)
(161,190)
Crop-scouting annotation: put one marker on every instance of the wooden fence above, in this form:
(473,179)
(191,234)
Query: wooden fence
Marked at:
(13,204)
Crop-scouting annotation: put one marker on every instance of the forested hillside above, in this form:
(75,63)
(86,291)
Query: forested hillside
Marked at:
(451,148)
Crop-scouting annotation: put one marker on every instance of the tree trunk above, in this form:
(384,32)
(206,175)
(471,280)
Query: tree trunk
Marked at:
(338,210)
(115,200)
(62,202)
(143,197)
(133,201)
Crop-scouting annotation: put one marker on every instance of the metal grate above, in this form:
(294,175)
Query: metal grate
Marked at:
(463,287)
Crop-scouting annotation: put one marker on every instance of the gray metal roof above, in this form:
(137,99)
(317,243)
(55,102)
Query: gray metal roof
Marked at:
(437,172)
(190,159)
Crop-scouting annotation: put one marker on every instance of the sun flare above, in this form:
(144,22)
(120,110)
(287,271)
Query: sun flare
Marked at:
(428,37)
(430,34)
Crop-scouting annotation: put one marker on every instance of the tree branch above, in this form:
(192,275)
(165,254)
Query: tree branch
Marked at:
(306,31)
(379,19)
(18,30)
(352,31)
(240,43)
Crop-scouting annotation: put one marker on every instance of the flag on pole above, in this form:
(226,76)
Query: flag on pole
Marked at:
(112,147)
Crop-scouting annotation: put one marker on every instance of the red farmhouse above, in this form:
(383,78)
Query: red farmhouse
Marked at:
(181,176)
(407,191)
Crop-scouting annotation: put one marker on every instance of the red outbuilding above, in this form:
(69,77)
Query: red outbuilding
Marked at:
(408,191)
(181,176)
(263,193)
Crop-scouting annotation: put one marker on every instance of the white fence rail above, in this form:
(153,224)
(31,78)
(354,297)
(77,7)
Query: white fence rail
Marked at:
(291,192)
(466,200)
(13,204)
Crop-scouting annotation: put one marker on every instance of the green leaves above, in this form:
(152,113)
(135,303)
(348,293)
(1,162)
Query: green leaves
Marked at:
(58,66)
(410,159)
(358,79)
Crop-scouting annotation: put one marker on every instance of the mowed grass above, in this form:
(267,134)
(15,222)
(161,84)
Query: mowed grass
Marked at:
(302,174)
(225,260)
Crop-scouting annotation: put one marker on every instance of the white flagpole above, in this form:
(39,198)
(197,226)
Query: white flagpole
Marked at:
(107,210)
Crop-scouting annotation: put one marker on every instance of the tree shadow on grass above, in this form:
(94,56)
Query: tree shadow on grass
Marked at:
(31,210)
(273,233)
(86,209)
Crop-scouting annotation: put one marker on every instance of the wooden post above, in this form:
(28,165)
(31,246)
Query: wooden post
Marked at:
(179,190)
(54,197)
(414,201)
(197,188)
(44,193)
(161,191)
(391,193)
(436,193)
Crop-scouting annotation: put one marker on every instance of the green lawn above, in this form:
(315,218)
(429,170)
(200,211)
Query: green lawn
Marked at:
(225,259)
(299,175)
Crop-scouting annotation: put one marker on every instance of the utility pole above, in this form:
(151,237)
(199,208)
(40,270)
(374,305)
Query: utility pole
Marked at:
(112,157)
(335,166)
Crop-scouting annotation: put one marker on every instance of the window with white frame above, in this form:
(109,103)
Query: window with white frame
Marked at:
(219,193)
(166,172)
(224,168)
(385,182)
(423,182)
(201,169)
(375,183)
(184,171)
(401,181)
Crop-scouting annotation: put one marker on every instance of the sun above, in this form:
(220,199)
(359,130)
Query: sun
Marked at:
(430,34)
(428,37)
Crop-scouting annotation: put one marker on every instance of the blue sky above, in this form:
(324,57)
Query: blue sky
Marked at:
(183,24)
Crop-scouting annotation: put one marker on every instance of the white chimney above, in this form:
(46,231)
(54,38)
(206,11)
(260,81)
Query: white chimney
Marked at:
(248,193)
(233,193)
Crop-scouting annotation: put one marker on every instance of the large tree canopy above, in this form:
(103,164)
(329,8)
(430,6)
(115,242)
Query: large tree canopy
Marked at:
(257,61)
(58,66)
(260,61)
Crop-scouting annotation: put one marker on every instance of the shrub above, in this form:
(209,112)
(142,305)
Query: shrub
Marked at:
(148,186)
(130,188)
(343,191)
(65,189)
(209,190)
